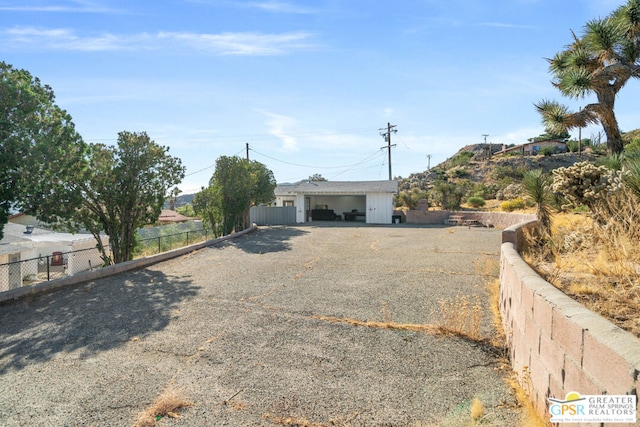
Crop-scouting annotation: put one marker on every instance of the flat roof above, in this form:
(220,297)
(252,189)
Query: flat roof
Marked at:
(337,187)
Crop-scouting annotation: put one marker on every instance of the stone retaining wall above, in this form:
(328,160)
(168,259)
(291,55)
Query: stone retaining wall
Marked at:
(557,345)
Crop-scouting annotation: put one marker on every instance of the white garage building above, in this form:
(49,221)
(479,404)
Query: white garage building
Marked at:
(369,201)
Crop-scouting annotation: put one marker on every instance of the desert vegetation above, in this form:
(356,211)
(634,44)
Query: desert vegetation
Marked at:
(591,252)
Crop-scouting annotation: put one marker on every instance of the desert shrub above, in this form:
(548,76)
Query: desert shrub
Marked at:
(573,146)
(476,202)
(448,195)
(633,146)
(509,192)
(512,205)
(536,186)
(586,184)
(580,210)
(612,161)
(409,198)
(501,172)
(484,191)
(457,172)
(547,150)
(462,158)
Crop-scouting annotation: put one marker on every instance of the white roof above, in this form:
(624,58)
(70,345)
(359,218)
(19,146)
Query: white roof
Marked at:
(337,187)
(16,240)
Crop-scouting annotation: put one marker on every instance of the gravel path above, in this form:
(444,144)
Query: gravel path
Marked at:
(244,330)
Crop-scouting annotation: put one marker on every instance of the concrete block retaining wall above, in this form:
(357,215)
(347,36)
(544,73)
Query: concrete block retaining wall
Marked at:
(493,219)
(557,345)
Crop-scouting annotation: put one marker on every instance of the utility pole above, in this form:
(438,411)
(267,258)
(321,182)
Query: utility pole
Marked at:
(485,143)
(387,137)
(428,162)
(247,151)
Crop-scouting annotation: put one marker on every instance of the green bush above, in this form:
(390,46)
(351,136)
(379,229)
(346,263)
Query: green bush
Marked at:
(512,205)
(475,202)
(484,191)
(457,172)
(547,150)
(448,195)
(502,172)
(462,158)
(572,146)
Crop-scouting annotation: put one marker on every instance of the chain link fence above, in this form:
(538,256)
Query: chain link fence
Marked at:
(32,271)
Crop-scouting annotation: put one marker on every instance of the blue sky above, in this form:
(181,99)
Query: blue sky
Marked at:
(307,84)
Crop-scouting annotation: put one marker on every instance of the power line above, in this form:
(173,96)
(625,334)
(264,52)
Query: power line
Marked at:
(247,137)
(312,166)
(208,167)
(378,153)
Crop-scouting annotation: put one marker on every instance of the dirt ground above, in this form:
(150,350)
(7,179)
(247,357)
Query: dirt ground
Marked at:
(254,332)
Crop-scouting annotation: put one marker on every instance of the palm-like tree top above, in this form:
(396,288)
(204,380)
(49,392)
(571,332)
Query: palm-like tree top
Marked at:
(599,62)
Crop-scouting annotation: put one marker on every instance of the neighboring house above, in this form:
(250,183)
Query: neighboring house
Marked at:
(25,242)
(371,201)
(533,147)
(167,216)
(24,219)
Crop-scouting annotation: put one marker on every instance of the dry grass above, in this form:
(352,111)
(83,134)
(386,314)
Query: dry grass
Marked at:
(461,316)
(413,327)
(597,264)
(165,405)
(343,421)
(477,410)
(529,416)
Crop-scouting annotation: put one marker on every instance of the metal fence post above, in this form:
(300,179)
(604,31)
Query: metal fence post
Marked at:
(158,244)
(48,278)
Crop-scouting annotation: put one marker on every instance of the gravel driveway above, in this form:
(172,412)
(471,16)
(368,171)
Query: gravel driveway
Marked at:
(254,331)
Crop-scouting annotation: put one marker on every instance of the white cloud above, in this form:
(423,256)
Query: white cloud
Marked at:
(280,127)
(242,43)
(506,25)
(217,44)
(280,7)
(74,6)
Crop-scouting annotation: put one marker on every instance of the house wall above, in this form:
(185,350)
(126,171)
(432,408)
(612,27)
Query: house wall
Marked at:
(379,208)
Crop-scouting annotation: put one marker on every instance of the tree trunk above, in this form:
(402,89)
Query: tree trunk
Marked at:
(609,122)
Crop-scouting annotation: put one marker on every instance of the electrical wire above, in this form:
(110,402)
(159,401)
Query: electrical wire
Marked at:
(312,166)
(249,137)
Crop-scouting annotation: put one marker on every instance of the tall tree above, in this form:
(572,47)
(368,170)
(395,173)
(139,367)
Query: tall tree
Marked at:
(39,146)
(600,62)
(123,189)
(207,204)
(236,185)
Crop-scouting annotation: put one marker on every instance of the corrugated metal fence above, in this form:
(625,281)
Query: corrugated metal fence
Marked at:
(267,215)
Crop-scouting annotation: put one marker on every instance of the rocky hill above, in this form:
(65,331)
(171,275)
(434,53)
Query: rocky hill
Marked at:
(472,163)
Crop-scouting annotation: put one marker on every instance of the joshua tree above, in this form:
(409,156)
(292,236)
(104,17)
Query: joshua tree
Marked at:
(599,62)
(536,185)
